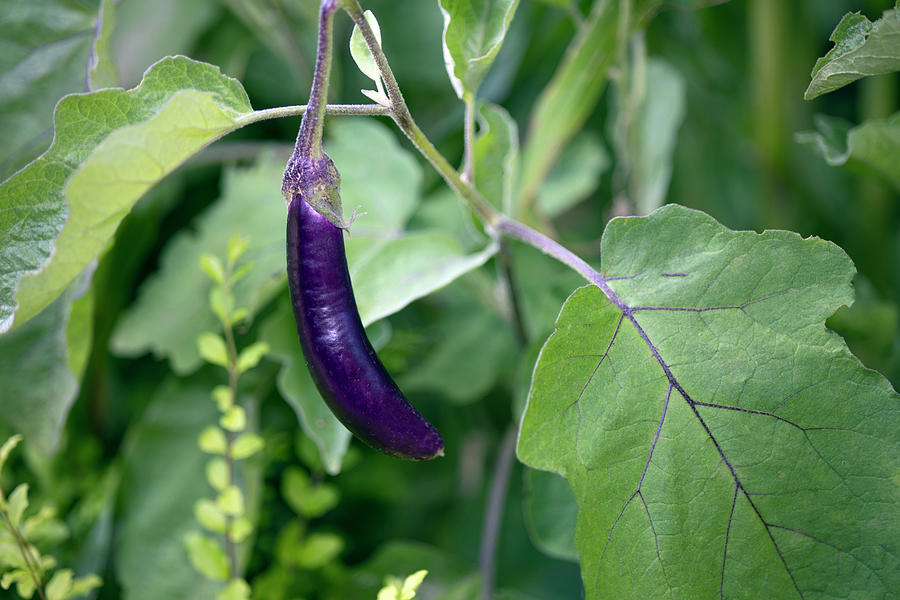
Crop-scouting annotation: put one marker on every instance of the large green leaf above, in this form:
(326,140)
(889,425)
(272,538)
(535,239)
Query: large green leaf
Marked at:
(496,155)
(40,364)
(111,146)
(473,33)
(720,441)
(875,144)
(861,48)
(44,49)
(572,94)
(172,309)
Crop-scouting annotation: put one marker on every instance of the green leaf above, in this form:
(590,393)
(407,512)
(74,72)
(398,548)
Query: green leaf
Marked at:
(317,550)
(237,245)
(496,155)
(7,447)
(251,355)
(463,363)
(246,445)
(861,48)
(212,349)
(46,44)
(237,589)
(648,137)
(234,419)
(206,556)
(102,71)
(221,395)
(550,511)
(81,586)
(874,145)
(17,503)
(59,585)
(241,528)
(718,438)
(212,440)
(575,177)
(570,97)
(388,275)
(360,52)
(36,367)
(307,499)
(231,501)
(402,589)
(209,515)
(212,266)
(473,33)
(109,148)
(217,473)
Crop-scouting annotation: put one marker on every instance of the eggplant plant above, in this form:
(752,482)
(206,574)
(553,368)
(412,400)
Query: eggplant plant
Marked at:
(652,369)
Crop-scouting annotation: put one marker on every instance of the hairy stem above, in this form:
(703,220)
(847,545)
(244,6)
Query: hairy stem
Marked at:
(309,137)
(300,109)
(494,512)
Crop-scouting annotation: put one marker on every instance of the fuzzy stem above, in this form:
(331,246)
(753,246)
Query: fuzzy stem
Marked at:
(309,138)
(300,109)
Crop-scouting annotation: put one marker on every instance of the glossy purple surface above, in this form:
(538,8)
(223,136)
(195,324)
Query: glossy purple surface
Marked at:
(348,373)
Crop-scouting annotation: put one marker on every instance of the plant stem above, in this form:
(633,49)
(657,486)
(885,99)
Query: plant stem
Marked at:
(309,137)
(300,109)
(512,293)
(230,546)
(469,140)
(494,513)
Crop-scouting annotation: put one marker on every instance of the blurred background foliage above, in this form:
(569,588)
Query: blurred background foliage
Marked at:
(729,77)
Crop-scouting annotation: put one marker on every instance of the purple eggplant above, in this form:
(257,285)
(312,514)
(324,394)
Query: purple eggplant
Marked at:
(345,368)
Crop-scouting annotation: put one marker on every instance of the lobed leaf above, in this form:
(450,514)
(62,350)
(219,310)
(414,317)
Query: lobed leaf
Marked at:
(110,147)
(719,440)
(861,48)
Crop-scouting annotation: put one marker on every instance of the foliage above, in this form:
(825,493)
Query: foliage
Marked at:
(692,416)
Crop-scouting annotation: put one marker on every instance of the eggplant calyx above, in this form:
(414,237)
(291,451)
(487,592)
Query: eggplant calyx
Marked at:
(317,181)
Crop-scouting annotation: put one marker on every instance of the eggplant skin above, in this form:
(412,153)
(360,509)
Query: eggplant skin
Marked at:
(343,364)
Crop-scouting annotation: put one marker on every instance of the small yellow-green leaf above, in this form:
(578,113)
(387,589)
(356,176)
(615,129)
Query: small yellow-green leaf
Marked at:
(246,445)
(212,266)
(222,396)
(217,473)
(251,355)
(7,447)
(234,419)
(237,589)
(231,501)
(59,585)
(241,527)
(212,440)
(317,550)
(237,245)
(209,515)
(212,348)
(206,555)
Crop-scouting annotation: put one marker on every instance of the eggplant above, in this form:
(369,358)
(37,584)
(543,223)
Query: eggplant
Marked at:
(343,364)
